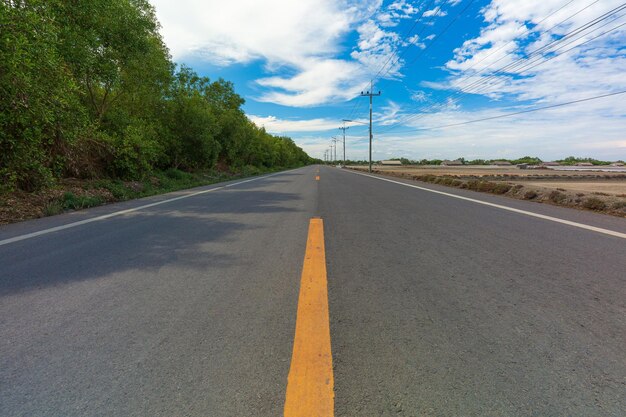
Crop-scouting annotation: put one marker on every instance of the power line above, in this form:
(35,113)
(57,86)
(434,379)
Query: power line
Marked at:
(440,34)
(485,80)
(528,30)
(515,113)
(406,34)
(494,74)
(357,104)
(467,89)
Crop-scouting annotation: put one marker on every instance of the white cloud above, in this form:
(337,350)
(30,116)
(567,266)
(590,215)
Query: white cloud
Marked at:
(319,81)
(279,126)
(594,128)
(436,12)
(299,38)
(389,114)
(303,36)
(418,96)
(276,30)
(515,30)
(376,46)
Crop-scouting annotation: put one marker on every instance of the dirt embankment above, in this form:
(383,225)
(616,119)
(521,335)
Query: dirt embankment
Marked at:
(75,194)
(600,192)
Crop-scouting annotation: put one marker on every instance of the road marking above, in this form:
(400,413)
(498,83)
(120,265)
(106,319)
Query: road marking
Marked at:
(310,382)
(122,212)
(317,177)
(528,213)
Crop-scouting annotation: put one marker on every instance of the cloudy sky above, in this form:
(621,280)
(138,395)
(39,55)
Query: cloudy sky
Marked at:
(301,65)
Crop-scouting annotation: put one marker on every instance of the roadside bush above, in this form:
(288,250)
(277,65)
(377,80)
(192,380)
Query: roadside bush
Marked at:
(619,205)
(473,185)
(594,204)
(557,197)
(530,194)
(135,152)
(485,186)
(501,188)
(176,174)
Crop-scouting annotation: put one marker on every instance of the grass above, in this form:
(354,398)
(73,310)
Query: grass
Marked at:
(157,183)
(70,201)
(53,208)
(160,183)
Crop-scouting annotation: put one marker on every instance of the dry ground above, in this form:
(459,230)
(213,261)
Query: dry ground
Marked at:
(612,187)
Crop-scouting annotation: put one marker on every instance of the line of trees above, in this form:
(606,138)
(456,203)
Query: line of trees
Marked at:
(531,160)
(88,89)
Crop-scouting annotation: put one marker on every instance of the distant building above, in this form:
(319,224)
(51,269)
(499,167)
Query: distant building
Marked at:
(550,164)
(584,164)
(501,163)
(617,164)
(390,163)
(451,163)
(522,166)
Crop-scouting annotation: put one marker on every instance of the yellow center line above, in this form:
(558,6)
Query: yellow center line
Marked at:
(310,382)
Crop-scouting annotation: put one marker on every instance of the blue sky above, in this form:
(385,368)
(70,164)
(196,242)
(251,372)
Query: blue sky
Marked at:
(301,65)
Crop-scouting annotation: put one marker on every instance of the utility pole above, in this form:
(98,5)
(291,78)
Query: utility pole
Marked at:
(335,140)
(344,141)
(370,94)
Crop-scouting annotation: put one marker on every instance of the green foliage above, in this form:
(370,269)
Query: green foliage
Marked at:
(478,162)
(530,160)
(429,162)
(39,110)
(88,89)
(70,201)
(572,160)
(135,151)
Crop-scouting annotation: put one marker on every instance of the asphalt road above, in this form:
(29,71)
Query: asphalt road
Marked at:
(438,306)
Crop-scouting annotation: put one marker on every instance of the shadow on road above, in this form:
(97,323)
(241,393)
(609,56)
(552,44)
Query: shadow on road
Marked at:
(185,233)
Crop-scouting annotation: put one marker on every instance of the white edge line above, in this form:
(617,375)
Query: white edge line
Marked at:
(122,212)
(528,213)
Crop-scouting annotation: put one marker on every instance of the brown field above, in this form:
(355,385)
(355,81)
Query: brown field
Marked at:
(583,189)
(613,187)
(492,172)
